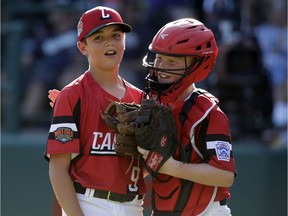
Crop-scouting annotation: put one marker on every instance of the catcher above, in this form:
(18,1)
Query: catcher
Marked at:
(190,157)
(195,180)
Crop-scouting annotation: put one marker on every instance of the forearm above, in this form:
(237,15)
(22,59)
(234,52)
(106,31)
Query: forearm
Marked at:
(64,192)
(199,173)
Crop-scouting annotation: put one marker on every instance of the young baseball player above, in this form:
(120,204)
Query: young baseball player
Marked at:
(86,175)
(195,180)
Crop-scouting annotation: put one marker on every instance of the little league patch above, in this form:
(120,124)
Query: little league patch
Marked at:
(223,151)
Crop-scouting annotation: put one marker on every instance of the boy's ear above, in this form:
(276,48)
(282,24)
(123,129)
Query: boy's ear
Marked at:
(82,47)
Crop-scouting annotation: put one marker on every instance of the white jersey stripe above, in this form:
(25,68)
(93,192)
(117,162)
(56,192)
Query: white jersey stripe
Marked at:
(213,144)
(104,152)
(67,125)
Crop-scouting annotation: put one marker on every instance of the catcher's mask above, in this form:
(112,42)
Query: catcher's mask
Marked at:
(180,38)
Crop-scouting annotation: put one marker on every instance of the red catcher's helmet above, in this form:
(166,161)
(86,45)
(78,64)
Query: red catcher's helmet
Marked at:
(183,37)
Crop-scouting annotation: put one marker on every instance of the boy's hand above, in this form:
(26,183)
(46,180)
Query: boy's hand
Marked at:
(52,95)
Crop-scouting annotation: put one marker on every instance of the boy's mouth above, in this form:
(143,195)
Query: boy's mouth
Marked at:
(110,52)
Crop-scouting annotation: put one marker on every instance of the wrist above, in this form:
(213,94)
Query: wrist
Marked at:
(168,167)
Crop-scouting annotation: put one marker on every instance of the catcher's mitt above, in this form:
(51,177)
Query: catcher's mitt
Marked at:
(120,117)
(155,130)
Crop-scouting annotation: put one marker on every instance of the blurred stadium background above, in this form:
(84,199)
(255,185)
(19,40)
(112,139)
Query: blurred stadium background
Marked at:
(38,53)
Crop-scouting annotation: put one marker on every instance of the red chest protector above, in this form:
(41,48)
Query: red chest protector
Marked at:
(173,196)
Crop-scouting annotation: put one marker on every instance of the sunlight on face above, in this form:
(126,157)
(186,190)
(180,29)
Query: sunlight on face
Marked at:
(105,47)
(172,63)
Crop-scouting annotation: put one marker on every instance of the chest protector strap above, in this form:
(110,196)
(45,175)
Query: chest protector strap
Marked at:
(186,152)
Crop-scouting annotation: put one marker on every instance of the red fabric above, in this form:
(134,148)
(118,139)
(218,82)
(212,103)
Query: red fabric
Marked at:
(201,194)
(96,165)
(56,208)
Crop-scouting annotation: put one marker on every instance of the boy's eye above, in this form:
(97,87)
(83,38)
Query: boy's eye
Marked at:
(98,37)
(118,35)
(171,61)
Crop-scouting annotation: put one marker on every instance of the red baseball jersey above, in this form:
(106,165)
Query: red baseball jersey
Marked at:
(211,146)
(78,128)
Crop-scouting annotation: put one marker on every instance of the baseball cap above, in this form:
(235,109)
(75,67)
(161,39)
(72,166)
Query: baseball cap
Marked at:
(97,18)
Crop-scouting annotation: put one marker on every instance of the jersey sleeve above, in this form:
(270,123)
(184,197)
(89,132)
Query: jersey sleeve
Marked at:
(63,133)
(218,152)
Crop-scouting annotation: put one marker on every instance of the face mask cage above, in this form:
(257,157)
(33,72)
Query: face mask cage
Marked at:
(153,85)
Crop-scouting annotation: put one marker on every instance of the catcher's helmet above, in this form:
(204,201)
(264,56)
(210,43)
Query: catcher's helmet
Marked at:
(183,37)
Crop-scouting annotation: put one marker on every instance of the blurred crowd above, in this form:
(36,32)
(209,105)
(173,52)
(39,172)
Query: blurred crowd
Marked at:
(250,77)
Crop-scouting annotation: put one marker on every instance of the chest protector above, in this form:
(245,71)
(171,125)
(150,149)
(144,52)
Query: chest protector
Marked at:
(173,196)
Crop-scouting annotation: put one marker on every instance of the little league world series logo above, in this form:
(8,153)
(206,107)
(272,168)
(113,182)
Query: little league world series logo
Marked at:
(63,134)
